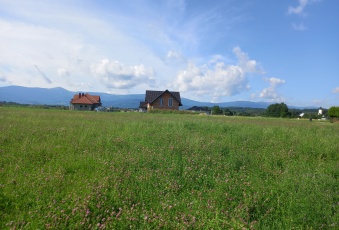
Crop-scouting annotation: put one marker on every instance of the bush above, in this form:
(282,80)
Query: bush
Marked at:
(228,112)
(278,110)
(216,110)
(333,112)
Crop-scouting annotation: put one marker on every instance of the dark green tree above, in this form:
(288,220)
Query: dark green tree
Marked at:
(333,111)
(216,110)
(278,110)
(228,112)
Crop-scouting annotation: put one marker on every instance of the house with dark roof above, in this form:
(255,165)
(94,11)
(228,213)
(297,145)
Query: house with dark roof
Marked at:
(161,100)
(84,101)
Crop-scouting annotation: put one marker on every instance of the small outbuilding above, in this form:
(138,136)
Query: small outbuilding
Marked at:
(320,111)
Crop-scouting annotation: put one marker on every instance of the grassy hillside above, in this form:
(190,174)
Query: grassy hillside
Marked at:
(70,169)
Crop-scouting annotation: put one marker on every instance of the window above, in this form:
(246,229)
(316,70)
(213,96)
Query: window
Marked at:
(161,101)
(170,102)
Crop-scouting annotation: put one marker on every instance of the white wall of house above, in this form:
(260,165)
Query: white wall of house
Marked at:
(81,107)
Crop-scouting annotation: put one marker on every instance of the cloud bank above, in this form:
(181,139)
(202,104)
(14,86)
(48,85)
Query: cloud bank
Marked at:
(217,78)
(115,75)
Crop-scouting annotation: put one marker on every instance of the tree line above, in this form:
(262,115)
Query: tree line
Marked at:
(276,110)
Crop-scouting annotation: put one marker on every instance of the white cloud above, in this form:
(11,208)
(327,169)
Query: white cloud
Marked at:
(63,72)
(275,81)
(299,27)
(246,65)
(115,75)
(64,39)
(35,55)
(175,56)
(336,90)
(271,91)
(216,78)
(298,9)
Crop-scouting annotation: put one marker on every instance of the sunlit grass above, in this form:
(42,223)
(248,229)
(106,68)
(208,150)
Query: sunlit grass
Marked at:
(69,169)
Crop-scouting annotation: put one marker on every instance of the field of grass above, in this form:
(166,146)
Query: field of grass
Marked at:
(87,170)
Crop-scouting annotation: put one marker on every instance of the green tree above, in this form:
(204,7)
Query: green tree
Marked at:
(278,110)
(333,111)
(216,110)
(228,112)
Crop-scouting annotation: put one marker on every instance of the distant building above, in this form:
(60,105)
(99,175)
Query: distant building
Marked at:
(84,101)
(167,100)
(320,111)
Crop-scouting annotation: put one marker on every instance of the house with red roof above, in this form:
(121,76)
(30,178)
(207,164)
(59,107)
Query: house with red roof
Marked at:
(161,100)
(84,101)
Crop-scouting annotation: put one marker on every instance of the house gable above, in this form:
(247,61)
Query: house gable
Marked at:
(161,100)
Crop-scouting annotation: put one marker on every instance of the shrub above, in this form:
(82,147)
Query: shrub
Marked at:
(278,110)
(334,112)
(216,110)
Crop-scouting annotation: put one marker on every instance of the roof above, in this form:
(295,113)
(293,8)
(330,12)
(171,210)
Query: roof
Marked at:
(152,95)
(85,99)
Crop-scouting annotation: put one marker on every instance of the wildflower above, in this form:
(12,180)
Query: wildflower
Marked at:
(87,212)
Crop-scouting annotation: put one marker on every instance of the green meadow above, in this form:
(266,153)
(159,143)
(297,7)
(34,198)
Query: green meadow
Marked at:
(88,170)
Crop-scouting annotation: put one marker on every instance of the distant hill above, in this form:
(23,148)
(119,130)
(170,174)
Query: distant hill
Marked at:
(25,95)
(244,104)
(61,96)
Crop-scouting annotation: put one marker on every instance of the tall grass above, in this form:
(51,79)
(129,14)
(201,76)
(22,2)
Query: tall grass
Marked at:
(69,169)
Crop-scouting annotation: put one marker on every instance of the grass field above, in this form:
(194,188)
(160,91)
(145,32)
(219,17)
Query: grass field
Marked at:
(87,170)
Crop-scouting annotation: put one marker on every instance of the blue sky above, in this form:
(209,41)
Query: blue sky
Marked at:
(213,51)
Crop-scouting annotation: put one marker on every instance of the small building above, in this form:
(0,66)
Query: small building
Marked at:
(320,111)
(167,100)
(84,101)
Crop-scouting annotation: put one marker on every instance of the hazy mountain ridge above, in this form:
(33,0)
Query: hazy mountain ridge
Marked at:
(61,96)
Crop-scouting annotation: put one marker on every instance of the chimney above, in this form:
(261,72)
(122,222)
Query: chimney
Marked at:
(79,95)
(83,94)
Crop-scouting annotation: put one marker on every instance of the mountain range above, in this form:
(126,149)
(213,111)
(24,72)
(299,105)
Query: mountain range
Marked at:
(61,96)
